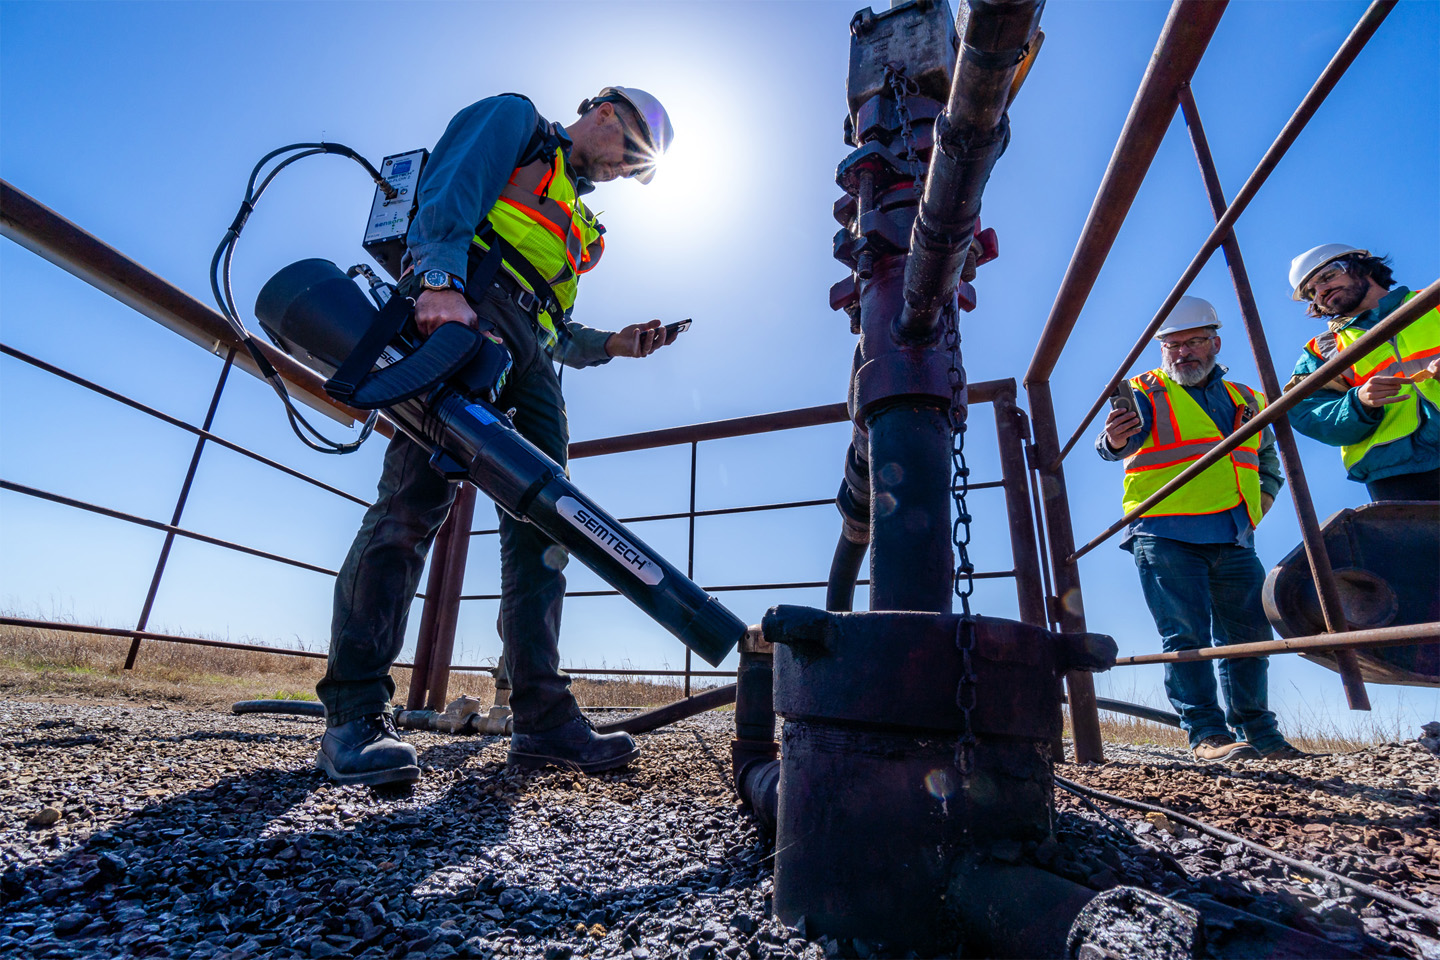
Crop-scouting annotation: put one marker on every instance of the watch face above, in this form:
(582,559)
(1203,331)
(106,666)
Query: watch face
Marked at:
(436,279)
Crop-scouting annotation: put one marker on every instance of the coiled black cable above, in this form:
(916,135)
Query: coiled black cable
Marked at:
(225,296)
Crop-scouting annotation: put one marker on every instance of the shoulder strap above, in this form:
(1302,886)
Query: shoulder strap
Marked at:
(549,302)
(542,141)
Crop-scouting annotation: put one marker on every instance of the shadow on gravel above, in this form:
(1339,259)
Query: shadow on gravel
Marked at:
(261,861)
(278,862)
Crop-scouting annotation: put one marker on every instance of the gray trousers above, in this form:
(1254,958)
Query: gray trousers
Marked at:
(382,571)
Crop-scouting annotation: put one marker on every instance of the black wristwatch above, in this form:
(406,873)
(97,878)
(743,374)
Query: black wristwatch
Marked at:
(440,280)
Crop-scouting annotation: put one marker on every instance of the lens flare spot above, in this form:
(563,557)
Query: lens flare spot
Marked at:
(884,504)
(940,783)
(891,474)
(555,557)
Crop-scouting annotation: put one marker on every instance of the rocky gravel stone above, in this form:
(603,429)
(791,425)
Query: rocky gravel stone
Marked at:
(205,835)
(1373,815)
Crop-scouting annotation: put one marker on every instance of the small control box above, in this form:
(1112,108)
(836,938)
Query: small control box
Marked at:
(390,217)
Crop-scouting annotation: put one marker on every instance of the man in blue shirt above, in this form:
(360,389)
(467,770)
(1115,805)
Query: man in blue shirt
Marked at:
(504,176)
(1198,570)
(1352,291)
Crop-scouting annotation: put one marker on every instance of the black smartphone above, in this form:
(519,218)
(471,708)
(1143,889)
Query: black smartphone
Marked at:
(1123,398)
(673,330)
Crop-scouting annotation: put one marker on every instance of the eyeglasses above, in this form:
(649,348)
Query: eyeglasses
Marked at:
(1194,343)
(1323,277)
(637,151)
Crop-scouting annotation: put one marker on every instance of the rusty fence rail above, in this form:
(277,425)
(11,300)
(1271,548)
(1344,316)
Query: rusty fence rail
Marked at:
(41,230)
(693,434)
(1164,89)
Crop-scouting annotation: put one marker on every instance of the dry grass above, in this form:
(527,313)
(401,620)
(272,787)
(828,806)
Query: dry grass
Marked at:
(64,664)
(1309,734)
(61,664)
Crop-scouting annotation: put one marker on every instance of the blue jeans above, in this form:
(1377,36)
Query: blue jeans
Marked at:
(382,571)
(1196,591)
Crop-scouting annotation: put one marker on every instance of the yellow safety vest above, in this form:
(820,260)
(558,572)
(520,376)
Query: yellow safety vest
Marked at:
(1181,433)
(542,217)
(1407,353)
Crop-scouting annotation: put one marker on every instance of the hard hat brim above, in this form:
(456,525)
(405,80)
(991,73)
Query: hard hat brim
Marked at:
(1295,294)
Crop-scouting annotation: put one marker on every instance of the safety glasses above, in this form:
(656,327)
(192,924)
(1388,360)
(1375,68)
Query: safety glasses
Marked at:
(1336,269)
(1194,343)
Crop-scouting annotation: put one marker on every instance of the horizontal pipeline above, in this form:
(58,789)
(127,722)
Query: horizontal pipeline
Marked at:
(1399,636)
(1412,310)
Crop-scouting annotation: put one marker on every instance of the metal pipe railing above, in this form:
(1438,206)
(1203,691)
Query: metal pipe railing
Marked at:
(1396,636)
(1328,590)
(179,511)
(1412,310)
(1182,43)
(41,230)
(157,525)
(124,632)
(160,415)
(1370,22)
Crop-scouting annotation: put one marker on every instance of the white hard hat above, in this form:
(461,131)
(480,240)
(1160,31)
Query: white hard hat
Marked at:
(655,121)
(1305,266)
(1189,313)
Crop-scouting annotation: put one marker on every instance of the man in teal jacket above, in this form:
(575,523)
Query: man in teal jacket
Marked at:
(1381,411)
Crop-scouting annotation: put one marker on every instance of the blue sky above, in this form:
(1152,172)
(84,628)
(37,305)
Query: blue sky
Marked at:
(140,122)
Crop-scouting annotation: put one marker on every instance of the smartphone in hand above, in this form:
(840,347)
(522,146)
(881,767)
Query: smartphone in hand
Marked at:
(673,330)
(1123,398)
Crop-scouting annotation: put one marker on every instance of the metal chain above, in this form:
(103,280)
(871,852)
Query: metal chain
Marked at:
(960,476)
(966,695)
(902,86)
(964,576)
(964,579)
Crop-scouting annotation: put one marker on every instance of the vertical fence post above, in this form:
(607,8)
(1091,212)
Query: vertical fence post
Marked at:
(1326,588)
(430,613)
(1069,607)
(690,560)
(1011,432)
(149,604)
(462,513)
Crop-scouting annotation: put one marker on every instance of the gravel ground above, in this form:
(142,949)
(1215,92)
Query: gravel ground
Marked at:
(205,835)
(1371,815)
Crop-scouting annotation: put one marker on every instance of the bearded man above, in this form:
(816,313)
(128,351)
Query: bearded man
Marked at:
(1195,549)
(1383,411)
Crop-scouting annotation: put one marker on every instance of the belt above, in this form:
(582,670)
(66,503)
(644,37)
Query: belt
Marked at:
(522,298)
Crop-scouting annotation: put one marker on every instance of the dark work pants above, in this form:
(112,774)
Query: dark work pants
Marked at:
(382,571)
(1406,486)
(1200,591)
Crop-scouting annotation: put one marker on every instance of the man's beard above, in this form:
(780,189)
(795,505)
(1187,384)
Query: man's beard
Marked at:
(1191,375)
(1344,302)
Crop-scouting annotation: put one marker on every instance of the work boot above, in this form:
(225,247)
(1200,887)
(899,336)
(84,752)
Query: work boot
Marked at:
(1222,746)
(574,745)
(1287,751)
(368,751)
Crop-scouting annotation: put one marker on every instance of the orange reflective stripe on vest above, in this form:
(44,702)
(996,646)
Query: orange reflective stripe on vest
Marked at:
(1181,433)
